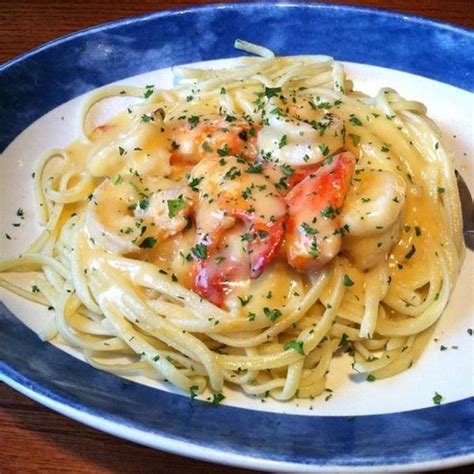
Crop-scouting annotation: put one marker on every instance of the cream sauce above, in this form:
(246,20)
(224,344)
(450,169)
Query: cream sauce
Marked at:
(388,212)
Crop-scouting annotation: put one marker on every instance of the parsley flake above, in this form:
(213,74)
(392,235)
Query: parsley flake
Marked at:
(254,168)
(148,92)
(200,251)
(251,316)
(245,301)
(295,345)
(193,391)
(175,205)
(308,229)
(218,397)
(272,314)
(347,280)
(194,183)
(355,121)
(148,243)
(324,149)
(355,139)
(193,121)
(117,179)
(272,91)
(437,398)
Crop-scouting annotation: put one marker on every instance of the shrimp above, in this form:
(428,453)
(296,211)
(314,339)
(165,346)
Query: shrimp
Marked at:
(240,223)
(300,134)
(140,146)
(313,235)
(373,211)
(127,214)
(196,138)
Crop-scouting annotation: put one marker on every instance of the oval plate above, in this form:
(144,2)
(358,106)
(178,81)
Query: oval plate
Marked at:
(41,80)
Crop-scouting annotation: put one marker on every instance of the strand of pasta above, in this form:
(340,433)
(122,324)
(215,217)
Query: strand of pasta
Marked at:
(136,311)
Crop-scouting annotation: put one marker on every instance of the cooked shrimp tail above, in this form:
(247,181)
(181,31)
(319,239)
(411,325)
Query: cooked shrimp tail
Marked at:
(314,235)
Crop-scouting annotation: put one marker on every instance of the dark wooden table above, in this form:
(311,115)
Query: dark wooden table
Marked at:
(34,438)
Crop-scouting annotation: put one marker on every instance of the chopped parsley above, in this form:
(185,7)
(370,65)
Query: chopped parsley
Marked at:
(148,92)
(355,139)
(144,203)
(233,173)
(308,229)
(254,168)
(314,249)
(329,212)
(200,251)
(148,243)
(272,314)
(245,301)
(225,151)
(344,340)
(295,345)
(193,121)
(272,91)
(207,148)
(283,142)
(218,397)
(175,205)
(117,179)
(251,316)
(347,280)
(441,190)
(324,149)
(437,398)
(370,378)
(287,170)
(354,120)
(193,391)
(194,183)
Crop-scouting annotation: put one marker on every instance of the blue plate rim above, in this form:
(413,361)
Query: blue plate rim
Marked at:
(212,6)
(7,373)
(68,406)
(218,456)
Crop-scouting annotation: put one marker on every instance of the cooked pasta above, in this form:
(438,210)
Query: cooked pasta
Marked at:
(246,225)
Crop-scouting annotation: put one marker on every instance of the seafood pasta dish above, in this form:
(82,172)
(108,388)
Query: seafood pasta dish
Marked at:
(244,227)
